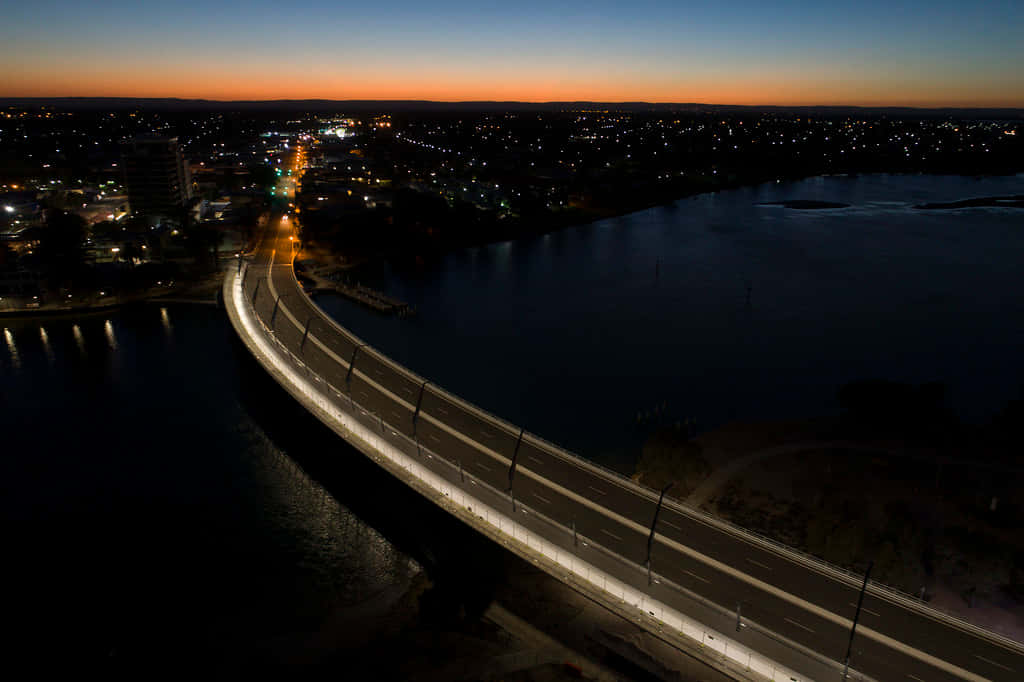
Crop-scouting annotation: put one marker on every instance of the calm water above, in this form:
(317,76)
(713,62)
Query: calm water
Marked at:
(148,514)
(574,334)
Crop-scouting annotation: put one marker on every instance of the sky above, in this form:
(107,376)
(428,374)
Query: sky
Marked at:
(785,52)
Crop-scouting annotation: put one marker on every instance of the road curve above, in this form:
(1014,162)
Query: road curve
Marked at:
(804,603)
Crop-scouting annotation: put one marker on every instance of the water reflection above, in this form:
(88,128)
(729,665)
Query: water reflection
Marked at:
(165,320)
(12,349)
(76,331)
(108,330)
(46,345)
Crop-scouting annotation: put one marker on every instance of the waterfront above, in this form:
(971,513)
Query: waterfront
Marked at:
(590,335)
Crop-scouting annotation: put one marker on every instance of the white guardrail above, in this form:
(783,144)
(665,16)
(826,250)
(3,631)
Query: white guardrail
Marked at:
(314,392)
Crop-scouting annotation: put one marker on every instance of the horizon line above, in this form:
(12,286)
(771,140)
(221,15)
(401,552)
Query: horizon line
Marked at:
(5,99)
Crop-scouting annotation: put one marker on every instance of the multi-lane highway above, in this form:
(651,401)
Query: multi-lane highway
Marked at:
(797,599)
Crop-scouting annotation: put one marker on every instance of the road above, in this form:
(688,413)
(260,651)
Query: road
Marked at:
(797,599)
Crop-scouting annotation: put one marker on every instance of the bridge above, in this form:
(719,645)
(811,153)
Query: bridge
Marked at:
(752,608)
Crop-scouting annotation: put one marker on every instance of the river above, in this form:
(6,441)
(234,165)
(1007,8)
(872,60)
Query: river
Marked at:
(589,335)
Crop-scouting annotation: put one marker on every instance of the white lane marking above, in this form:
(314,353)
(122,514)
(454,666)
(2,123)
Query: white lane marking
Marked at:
(482,466)
(608,532)
(533,459)
(998,665)
(758,563)
(433,438)
(672,525)
(398,414)
(697,576)
(542,498)
(914,677)
(793,622)
(596,490)
(485,434)
(442,410)
(866,610)
(678,547)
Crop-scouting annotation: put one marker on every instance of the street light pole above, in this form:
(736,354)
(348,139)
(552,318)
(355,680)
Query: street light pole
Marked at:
(305,333)
(273,315)
(856,617)
(416,413)
(654,522)
(351,365)
(515,453)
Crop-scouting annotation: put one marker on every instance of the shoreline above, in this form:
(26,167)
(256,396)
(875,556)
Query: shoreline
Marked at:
(596,215)
(194,294)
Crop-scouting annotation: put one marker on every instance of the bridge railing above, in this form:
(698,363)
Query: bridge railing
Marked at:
(849,576)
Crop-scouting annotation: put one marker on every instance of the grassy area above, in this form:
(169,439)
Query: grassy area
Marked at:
(922,519)
(670,456)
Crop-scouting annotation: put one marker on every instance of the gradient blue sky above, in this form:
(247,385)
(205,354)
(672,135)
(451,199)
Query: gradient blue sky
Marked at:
(873,52)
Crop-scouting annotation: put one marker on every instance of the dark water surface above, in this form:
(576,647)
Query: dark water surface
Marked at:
(576,333)
(149,518)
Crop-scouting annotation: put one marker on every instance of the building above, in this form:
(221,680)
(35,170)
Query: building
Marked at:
(156,175)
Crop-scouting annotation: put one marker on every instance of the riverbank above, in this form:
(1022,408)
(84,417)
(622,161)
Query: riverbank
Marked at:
(200,292)
(937,523)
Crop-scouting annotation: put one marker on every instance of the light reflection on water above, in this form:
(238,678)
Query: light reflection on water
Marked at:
(79,341)
(167,460)
(108,330)
(12,349)
(46,345)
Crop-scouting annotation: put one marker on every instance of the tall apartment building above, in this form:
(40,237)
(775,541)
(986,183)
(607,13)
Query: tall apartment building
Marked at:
(156,175)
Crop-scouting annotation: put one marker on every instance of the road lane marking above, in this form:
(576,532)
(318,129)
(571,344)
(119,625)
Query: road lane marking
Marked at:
(608,532)
(998,665)
(398,414)
(542,498)
(442,410)
(793,622)
(867,610)
(758,563)
(485,434)
(534,459)
(482,466)
(697,576)
(672,525)
(596,490)
(914,677)
(433,438)
(680,548)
